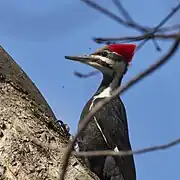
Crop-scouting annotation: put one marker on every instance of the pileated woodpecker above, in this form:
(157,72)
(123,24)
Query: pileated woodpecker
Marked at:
(108,129)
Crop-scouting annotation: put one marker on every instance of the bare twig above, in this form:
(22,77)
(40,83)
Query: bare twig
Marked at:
(129,20)
(152,68)
(127,153)
(123,11)
(81,75)
(85,121)
(131,23)
(115,17)
(170,28)
(138,38)
(174,10)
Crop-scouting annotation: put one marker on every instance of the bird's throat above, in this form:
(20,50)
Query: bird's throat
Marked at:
(107,86)
(109,82)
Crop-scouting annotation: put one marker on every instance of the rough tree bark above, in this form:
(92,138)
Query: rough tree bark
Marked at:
(28,130)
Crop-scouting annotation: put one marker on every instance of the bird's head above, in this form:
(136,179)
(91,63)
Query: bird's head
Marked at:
(110,59)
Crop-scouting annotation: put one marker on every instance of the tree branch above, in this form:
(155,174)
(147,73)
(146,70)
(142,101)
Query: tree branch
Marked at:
(174,10)
(81,75)
(138,38)
(127,153)
(131,23)
(113,16)
(123,11)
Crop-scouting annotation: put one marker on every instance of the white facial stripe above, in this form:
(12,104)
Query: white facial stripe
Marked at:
(104,59)
(118,67)
(101,68)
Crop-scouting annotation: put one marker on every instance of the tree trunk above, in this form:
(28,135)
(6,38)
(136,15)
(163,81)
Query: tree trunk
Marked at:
(28,130)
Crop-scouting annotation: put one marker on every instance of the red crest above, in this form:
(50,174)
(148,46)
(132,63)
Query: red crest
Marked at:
(125,50)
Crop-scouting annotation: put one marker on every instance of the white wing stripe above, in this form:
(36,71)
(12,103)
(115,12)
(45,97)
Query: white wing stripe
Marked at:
(116,149)
(100,130)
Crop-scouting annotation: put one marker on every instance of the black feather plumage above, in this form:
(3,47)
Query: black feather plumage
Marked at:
(113,122)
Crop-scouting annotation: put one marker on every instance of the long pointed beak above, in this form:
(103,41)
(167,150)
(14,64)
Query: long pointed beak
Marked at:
(83,59)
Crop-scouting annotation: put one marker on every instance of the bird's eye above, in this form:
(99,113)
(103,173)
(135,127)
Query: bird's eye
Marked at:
(104,53)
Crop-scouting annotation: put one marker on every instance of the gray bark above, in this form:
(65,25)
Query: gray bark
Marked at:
(31,143)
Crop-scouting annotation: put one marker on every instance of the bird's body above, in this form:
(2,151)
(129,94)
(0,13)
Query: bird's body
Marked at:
(108,128)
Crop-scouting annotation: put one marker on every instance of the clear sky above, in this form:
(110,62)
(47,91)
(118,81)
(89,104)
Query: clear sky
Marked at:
(38,34)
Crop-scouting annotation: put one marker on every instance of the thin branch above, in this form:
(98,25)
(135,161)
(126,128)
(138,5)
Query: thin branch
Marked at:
(123,11)
(156,45)
(140,45)
(129,19)
(127,153)
(133,24)
(170,28)
(115,17)
(85,121)
(152,68)
(81,75)
(161,24)
(174,10)
(138,38)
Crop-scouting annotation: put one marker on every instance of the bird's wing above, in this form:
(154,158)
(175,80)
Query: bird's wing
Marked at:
(113,122)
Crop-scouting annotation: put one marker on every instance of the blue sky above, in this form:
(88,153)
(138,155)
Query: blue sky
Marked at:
(38,34)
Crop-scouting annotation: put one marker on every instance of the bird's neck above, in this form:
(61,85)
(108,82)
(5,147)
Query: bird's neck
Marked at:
(108,84)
